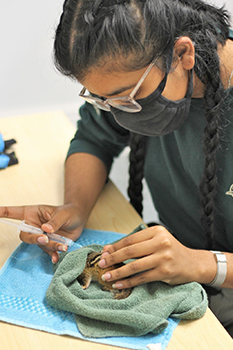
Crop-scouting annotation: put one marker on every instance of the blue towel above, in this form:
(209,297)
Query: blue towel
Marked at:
(24,280)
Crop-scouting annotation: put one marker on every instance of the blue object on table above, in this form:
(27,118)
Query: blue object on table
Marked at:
(4,161)
(6,158)
(24,280)
(2,144)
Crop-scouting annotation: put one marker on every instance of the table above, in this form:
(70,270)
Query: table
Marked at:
(42,143)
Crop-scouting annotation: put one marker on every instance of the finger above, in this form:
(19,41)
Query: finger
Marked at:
(137,250)
(132,268)
(106,247)
(145,277)
(12,212)
(59,219)
(129,240)
(42,240)
(54,255)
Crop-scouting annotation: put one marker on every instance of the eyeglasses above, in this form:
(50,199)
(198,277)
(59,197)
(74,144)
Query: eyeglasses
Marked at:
(125,103)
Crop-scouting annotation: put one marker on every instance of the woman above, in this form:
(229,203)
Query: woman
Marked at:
(161,70)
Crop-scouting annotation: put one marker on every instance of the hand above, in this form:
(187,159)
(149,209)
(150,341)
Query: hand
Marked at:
(64,220)
(160,257)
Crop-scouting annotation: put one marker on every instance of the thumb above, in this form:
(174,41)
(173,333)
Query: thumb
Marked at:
(56,222)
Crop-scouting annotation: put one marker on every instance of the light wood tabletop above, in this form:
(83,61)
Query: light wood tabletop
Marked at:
(42,143)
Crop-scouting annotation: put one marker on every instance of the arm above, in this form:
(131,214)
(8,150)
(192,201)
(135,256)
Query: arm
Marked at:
(85,176)
(161,257)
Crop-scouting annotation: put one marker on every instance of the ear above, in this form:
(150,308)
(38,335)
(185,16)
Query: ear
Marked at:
(184,49)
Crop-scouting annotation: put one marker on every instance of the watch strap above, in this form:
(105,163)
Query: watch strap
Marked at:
(221,269)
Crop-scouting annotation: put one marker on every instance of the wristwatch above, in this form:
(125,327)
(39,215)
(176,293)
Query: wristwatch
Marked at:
(221,269)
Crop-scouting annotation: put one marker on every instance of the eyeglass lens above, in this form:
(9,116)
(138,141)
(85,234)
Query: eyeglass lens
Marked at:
(125,105)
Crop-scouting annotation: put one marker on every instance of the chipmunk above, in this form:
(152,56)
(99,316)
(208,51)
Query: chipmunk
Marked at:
(92,272)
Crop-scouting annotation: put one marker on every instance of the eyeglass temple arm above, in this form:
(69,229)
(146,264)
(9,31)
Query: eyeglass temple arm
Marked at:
(131,95)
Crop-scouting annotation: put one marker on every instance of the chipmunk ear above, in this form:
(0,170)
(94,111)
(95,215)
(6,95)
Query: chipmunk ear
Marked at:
(184,49)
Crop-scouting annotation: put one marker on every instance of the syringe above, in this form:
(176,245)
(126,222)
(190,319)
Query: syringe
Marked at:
(22,226)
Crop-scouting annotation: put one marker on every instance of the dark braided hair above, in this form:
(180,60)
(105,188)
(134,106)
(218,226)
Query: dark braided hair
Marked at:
(136,170)
(126,35)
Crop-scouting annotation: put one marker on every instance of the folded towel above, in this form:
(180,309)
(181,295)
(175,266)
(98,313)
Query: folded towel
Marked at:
(98,314)
(24,280)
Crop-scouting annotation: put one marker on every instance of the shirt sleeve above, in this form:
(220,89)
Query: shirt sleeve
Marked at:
(99,134)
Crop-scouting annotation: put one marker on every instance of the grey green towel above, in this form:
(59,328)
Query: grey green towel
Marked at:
(99,315)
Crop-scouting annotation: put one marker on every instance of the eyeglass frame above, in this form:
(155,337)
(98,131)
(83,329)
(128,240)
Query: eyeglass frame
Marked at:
(106,103)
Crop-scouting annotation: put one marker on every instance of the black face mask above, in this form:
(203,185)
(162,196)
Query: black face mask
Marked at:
(159,116)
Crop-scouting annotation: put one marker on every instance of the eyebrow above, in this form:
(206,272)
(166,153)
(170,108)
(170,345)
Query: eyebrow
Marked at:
(120,90)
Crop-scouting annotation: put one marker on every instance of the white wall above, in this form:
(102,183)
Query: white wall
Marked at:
(228,4)
(28,80)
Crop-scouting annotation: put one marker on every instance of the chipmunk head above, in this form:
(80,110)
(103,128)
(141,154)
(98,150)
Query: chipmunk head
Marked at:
(92,259)
(92,272)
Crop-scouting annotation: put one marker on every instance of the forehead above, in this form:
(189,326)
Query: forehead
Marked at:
(106,84)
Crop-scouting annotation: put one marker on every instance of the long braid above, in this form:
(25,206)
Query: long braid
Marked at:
(212,135)
(136,170)
(213,98)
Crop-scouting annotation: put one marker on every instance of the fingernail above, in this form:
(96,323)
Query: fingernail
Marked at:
(105,254)
(117,285)
(102,263)
(43,240)
(49,227)
(106,276)
(62,248)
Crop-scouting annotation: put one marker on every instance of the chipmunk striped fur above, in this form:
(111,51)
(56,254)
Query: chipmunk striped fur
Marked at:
(92,272)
